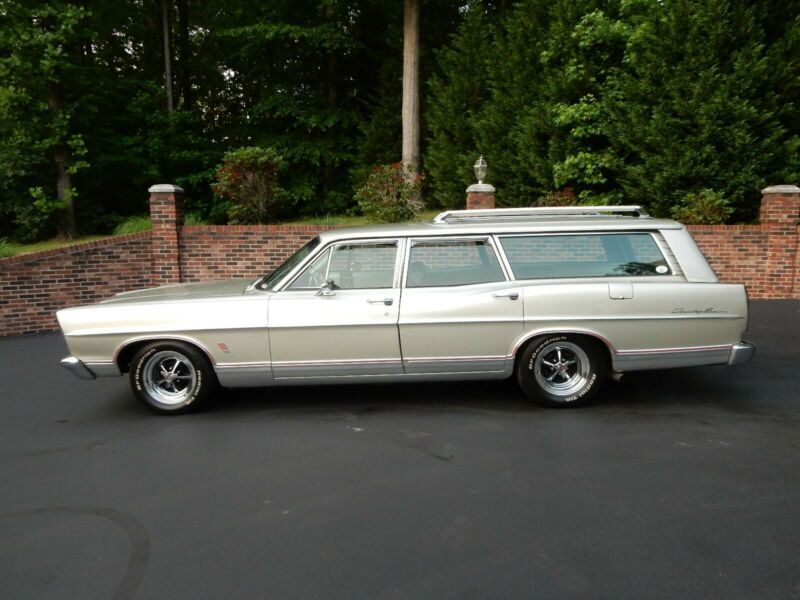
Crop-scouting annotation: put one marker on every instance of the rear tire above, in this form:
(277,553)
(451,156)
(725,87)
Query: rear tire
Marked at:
(562,370)
(171,378)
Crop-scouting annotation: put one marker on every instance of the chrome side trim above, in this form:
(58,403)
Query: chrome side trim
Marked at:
(668,358)
(76,367)
(104,369)
(312,369)
(741,353)
(684,316)
(244,375)
(455,364)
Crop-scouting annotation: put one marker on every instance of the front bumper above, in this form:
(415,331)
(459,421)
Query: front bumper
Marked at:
(741,353)
(76,366)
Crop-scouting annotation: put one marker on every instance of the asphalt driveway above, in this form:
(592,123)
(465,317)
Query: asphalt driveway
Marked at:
(674,484)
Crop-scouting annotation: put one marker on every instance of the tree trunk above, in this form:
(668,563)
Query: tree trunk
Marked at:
(411,151)
(66,225)
(166,32)
(184,80)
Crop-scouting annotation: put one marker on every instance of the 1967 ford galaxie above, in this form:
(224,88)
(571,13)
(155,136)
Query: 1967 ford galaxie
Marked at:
(560,298)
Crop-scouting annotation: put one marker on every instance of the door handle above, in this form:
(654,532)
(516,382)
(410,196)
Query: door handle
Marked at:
(510,295)
(386,301)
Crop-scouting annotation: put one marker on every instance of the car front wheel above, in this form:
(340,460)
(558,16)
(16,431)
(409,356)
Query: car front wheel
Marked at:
(171,377)
(561,370)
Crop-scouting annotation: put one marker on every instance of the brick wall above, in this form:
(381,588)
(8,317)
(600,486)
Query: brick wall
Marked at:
(226,251)
(765,257)
(738,254)
(34,286)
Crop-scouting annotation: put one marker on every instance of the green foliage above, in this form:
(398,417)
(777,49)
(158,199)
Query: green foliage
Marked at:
(705,207)
(619,101)
(247,180)
(134,225)
(390,194)
(457,95)
(624,101)
(6,248)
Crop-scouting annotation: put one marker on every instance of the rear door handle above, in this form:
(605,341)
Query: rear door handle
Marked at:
(510,295)
(386,301)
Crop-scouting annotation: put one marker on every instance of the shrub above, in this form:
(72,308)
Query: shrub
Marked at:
(133,225)
(247,179)
(705,207)
(6,248)
(193,218)
(565,197)
(390,194)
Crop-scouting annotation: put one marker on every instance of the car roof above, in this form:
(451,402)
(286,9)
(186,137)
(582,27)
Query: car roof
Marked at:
(549,224)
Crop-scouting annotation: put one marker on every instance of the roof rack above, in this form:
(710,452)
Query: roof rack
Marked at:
(501,214)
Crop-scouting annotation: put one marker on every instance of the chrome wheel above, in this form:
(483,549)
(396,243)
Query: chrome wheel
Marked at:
(562,368)
(169,377)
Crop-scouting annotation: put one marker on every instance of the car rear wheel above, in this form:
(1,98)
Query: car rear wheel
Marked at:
(561,370)
(171,377)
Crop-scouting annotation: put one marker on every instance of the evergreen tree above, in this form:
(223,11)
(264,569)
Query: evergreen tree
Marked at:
(457,93)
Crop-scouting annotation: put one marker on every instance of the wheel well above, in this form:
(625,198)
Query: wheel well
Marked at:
(125,355)
(597,340)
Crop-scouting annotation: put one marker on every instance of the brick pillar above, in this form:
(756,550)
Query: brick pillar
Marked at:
(780,211)
(166,213)
(480,195)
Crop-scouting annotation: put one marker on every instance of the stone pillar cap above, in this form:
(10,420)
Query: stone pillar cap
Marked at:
(781,189)
(484,188)
(165,188)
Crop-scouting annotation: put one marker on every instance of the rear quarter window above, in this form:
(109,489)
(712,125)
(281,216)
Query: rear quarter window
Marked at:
(584,255)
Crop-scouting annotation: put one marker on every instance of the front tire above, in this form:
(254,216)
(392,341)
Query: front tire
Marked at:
(561,370)
(171,377)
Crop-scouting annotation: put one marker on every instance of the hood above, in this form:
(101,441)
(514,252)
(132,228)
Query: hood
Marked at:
(183,291)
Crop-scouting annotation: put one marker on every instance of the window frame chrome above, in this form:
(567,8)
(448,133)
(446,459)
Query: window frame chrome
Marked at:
(675,271)
(286,284)
(486,237)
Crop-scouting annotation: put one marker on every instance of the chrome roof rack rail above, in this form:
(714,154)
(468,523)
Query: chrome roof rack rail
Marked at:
(502,214)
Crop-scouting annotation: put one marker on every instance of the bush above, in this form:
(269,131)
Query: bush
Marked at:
(133,225)
(705,207)
(247,179)
(390,194)
(6,248)
(565,197)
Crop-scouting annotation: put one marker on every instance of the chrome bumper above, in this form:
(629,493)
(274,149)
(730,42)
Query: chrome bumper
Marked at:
(741,353)
(74,365)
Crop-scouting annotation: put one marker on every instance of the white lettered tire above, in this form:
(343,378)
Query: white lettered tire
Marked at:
(171,377)
(562,370)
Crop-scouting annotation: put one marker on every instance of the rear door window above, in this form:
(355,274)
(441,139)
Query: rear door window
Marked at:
(439,263)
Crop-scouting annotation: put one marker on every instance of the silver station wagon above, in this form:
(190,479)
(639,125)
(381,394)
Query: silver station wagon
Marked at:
(560,298)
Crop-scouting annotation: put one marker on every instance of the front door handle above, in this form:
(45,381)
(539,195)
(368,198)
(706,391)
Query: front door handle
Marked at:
(386,301)
(510,295)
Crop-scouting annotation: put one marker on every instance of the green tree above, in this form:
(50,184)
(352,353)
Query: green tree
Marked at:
(702,104)
(37,44)
(457,93)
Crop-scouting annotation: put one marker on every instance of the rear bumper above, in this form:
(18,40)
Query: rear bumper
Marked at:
(76,366)
(741,353)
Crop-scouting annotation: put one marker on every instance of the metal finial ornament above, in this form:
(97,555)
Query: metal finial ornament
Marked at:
(480,169)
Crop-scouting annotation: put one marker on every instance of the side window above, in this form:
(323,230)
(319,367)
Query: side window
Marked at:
(584,255)
(446,263)
(314,275)
(362,266)
(352,267)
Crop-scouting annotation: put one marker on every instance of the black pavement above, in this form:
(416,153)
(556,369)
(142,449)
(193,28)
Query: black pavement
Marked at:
(675,484)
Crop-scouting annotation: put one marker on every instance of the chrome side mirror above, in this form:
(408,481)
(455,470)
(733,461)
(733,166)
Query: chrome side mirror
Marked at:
(327,288)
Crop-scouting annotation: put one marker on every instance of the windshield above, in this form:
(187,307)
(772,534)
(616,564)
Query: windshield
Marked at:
(269,281)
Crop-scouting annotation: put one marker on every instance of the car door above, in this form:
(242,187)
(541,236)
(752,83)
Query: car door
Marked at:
(459,312)
(349,329)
